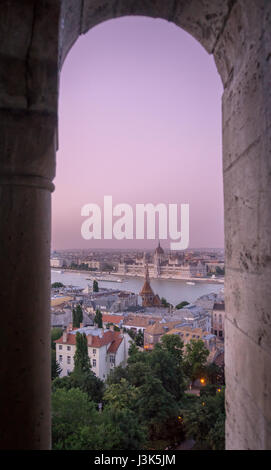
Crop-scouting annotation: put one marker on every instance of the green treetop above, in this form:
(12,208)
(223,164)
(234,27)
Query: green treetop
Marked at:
(98,319)
(57,285)
(77,316)
(72,411)
(81,357)
(95,286)
(195,359)
(182,305)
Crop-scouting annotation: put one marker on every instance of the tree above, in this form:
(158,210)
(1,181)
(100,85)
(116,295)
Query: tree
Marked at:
(121,430)
(76,424)
(81,357)
(195,359)
(77,316)
(95,286)
(55,367)
(135,355)
(57,285)
(121,395)
(82,376)
(86,381)
(220,271)
(155,405)
(168,370)
(89,383)
(174,345)
(56,333)
(115,327)
(205,422)
(165,303)
(71,412)
(98,319)
(139,338)
(138,373)
(182,305)
(214,374)
(116,374)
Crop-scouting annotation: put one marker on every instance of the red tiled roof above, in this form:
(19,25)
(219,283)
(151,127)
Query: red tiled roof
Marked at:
(114,346)
(107,318)
(138,321)
(71,339)
(97,341)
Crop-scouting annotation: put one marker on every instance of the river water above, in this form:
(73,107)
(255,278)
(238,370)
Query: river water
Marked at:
(174,291)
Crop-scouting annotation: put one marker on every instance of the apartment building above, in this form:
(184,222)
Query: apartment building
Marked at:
(218,317)
(106,349)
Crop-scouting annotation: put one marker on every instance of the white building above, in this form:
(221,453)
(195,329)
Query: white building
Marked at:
(106,349)
(56,263)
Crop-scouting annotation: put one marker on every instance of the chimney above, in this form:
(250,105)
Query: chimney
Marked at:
(69,327)
(111,327)
(89,337)
(64,336)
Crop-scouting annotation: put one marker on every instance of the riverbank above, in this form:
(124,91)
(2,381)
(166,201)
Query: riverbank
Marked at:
(216,280)
(174,291)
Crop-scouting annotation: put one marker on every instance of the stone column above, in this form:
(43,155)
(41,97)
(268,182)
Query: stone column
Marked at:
(244,58)
(28,118)
(27,149)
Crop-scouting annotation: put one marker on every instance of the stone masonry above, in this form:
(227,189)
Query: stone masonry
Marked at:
(35,38)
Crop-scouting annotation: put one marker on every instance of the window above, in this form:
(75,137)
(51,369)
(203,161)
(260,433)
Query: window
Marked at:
(60,346)
(94,362)
(112,359)
(94,351)
(68,348)
(68,359)
(60,358)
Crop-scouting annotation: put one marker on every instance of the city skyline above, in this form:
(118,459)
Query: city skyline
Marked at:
(131,86)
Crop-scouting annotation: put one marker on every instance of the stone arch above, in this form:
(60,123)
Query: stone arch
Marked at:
(238,34)
(203,20)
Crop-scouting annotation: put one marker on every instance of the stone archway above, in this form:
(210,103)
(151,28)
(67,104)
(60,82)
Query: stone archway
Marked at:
(238,34)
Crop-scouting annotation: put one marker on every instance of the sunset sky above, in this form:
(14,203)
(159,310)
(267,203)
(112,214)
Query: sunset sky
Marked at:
(140,120)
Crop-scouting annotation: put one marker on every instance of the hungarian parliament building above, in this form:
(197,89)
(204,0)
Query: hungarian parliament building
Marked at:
(163,266)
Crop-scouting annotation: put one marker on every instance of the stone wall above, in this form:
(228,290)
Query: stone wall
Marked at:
(35,37)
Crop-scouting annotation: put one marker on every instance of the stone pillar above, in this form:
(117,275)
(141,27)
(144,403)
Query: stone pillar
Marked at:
(27,149)
(243,56)
(28,119)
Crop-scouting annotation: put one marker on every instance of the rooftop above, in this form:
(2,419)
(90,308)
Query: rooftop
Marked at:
(99,337)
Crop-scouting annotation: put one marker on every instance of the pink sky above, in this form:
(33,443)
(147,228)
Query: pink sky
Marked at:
(139,119)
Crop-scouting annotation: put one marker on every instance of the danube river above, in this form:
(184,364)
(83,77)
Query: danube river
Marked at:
(174,291)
